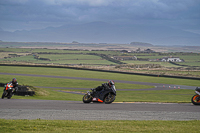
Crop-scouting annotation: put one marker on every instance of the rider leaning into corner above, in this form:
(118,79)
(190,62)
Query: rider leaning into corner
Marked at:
(105,86)
(15,85)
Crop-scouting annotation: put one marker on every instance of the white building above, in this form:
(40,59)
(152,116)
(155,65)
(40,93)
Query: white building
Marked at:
(172,59)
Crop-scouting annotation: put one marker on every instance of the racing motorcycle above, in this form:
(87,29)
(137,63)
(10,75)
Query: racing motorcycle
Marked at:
(8,91)
(196,98)
(105,95)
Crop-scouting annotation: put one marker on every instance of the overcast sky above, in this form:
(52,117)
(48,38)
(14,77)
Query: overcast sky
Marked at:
(36,14)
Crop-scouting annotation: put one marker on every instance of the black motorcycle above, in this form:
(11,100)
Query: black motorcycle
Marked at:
(196,98)
(8,91)
(105,95)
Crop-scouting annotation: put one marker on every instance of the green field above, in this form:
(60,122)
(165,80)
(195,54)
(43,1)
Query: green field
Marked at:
(175,95)
(61,59)
(51,126)
(166,64)
(41,50)
(61,56)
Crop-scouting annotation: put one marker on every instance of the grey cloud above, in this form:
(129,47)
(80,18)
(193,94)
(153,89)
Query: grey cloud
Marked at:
(143,8)
(72,11)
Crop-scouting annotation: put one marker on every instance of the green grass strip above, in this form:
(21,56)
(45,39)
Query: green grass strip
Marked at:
(72,126)
(98,75)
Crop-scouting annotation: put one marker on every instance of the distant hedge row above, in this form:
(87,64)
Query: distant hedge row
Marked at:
(106,57)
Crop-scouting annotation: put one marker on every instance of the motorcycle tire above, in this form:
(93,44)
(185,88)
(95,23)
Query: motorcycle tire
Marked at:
(109,98)
(3,95)
(87,98)
(9,95)
(196,99)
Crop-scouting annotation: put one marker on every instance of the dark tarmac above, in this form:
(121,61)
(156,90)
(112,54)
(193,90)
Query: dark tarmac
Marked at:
(76,110)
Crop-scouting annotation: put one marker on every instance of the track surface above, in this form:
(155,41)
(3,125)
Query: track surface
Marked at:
(75,110)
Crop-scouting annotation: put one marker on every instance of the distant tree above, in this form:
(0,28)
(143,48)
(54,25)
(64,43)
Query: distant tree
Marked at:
(141,44)
(75,42)
(138,49)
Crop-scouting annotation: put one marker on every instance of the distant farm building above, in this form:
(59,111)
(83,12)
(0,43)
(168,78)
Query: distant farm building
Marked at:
(171,59)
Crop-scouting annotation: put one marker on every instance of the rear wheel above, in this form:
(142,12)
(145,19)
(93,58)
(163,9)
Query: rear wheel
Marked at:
(87,98)
(109,98)
(196,99)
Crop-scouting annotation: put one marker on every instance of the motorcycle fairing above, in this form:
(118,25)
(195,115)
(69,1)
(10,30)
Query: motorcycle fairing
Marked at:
(97,100)
(101,94)
(8,86)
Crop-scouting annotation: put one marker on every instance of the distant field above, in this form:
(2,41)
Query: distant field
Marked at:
(67,56)
(189,59)
(70,57)
(94,58)
(28,58)
(166,64)
(8,54)
(62,59)
(41,50)
(190,63)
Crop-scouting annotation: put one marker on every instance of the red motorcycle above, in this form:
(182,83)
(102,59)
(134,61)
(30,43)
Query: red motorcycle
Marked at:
(8,91)
(196,98)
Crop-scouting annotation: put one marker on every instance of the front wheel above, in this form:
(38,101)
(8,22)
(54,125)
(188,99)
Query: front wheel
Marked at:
(87,98)
(196,99)
(3,95)
(9,95)
(109,98)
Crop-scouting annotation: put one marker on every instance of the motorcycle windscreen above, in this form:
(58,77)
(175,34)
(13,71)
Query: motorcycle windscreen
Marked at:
(113,87)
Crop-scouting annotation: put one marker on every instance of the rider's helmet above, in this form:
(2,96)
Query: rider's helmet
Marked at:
(110,83)
(14,80)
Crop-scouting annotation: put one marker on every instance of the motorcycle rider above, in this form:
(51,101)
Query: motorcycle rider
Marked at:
(104,85)
(15,85)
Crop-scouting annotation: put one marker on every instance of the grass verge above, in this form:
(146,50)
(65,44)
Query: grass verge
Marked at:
(44,126)
(94,74)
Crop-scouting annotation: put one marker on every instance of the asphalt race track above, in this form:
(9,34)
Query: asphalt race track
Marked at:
(77,110)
